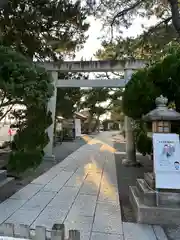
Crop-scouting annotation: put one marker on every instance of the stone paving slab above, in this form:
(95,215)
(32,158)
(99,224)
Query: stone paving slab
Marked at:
(24,216)
(143,231)
(84,205)
(76,180)
(48,217)
(105,236)
(39,201)
(57,183)
(91,184)
(27,192)
(108,219)
(82,192)
(8,207)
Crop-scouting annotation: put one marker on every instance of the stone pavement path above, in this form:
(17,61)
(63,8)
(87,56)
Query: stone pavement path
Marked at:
(82,192)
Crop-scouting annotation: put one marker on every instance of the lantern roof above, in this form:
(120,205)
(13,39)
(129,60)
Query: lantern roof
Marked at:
(162,112)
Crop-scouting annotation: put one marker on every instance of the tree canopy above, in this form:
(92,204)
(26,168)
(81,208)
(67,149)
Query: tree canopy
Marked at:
(162,77)
(145,46)
(41,28)
(120,13)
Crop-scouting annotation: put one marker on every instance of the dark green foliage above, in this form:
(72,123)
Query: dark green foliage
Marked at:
(144,144)
(139,95)
(21,81)
(41,28)
(19,160)
(162,77)
(45,30)
(24,83)
(31,135)
(142,140)
(68,99)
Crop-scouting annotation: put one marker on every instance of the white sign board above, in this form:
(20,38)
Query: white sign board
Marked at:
(166,149)
(78,127)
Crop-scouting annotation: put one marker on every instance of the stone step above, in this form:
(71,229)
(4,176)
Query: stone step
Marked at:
(164,198)
(171,199)
(3,175)
(146,194)
(152,214)
(149,178)
(5,181)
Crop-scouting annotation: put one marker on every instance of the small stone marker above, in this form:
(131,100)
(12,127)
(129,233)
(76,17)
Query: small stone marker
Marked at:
(7,232)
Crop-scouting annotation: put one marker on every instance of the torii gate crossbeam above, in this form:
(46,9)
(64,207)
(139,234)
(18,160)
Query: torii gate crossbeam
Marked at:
(91,83)
(92,66)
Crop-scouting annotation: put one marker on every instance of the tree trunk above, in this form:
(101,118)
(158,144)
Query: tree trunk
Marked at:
(175,15)
(89,123)
(96,123)
(3,4)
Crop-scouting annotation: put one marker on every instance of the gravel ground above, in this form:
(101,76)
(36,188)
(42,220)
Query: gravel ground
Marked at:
(126,176)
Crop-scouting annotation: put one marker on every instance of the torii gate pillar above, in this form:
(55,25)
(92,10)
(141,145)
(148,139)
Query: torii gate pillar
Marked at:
(130,143)
(48,150)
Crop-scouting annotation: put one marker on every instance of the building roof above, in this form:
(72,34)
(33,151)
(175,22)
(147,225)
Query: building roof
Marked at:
(80,115)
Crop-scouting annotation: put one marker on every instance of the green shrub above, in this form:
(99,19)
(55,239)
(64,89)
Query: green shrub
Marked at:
(23,82)
(20,161)
(144,143)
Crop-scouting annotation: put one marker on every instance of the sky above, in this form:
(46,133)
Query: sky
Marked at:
(95,32)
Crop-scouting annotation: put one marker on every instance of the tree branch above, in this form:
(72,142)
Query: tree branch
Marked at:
(12,102)
(175,15)
(2,99)
(126,10)
(6,112)
(164,21)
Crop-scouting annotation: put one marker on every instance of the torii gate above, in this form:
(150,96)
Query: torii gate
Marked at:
(128,67)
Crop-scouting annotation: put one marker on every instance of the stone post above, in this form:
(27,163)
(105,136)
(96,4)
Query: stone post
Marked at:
(130,144)
(51,107)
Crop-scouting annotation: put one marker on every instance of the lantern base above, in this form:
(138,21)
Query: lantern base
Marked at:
(152,207)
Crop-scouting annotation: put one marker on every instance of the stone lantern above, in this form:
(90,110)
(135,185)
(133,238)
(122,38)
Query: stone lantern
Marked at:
(161,117)
(150,204)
